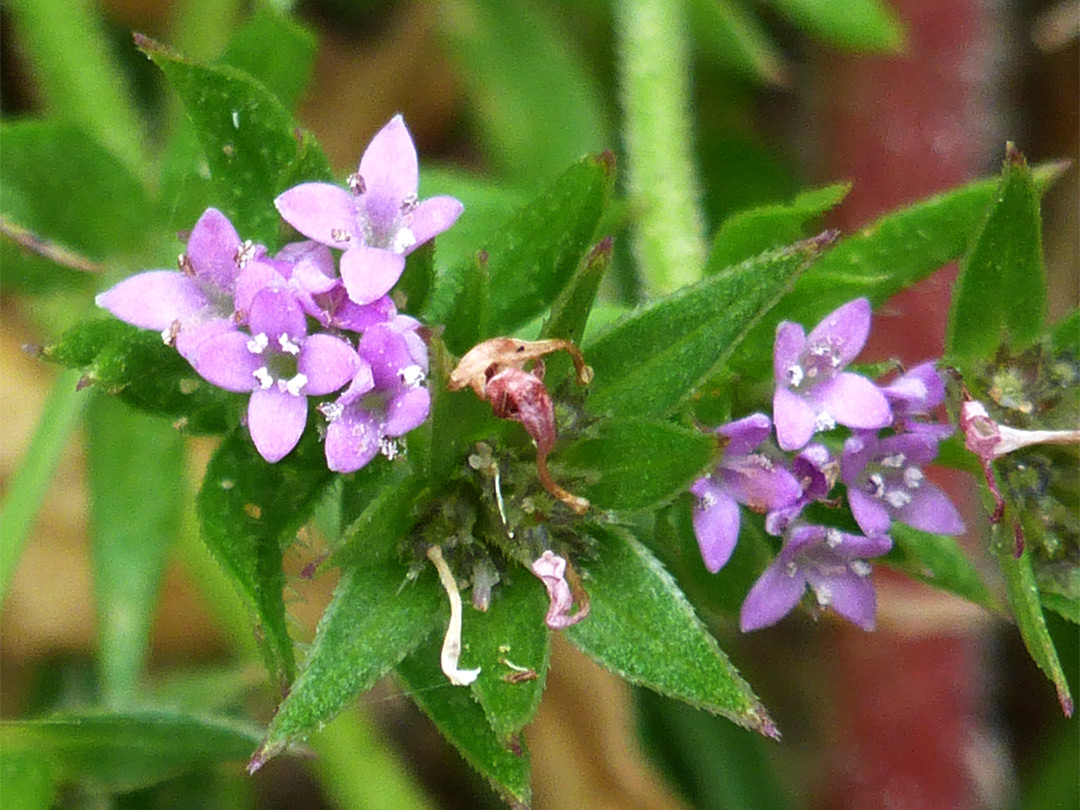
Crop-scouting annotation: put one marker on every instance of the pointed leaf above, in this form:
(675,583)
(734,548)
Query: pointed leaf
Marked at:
(276,51)
(651,360)
(747,233)
(879,261)
(856,25)
(634,463)
(136,477)
(461,299)
(937,560)
(138,367)
(509,642)
(386,514)
(375,618)
(1002,284)
(1023,595)
(419,276)
(731,34)
(250,512)
(643,629)
(248,137)
(125,751)
(461,720)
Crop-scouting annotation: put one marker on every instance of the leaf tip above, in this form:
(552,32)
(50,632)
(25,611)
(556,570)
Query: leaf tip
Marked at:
(762,723)
(606,161)
(600,255)
(1067,706)
(146,44)
(263,754)
(1013,156)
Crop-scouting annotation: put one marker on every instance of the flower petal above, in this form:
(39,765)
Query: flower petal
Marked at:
(772,597)
(370,273)
(275,313)
(787,350)
(357,317)
(433,216)
(388,353)
(853,401)
(352,440)
(323,212)
(253,279)
(328,363)
(225,360)
(845,330)
(407,411)
(920,390)
(716,525)
(212,250)
(154,299)
(744,435)
(192,336)
(794,418)
(390,173)
(870,513)
(762,488)
(850,595)
(276,420)
(931,511)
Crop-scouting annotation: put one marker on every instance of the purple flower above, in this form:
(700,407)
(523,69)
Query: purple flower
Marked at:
(281,365)
(816,471)
(386,399)
(813,392)
(191,304)
(885,480)
(378,221)
(917,393)
(832,562)
(742,476)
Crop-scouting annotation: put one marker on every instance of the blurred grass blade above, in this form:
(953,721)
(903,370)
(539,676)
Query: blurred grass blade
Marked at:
(28,779)
(136,478)
(854,25)
(32,480)
(729,33)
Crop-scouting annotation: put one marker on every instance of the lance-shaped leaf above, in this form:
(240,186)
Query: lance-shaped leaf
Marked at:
(136,477)
(879,261)
(509,642)
(375,618)
(461,720)
(937,560)
(252,144)
(747,233)
(250,512)
(634,463)
(534,254)
(138,367)
(1023,595)
(384,509)
(857,25)
(642,628)
(276,51)
(461,299)
(125,751)
(419,276)
(1002,285)
(648,362)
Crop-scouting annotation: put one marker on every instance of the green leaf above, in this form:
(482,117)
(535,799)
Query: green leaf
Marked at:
(879,261)
(747,233)
(461,299)
(537,103)
(642,628)
(386,508)
(1023,595)
(651,360)
(248,137)
(1002,283)
(28,779)
(461,720)
(375,618)
(31,482)
(250,512)
(534,254)
(136,478)
(138,367)
(124,751)
(856,25)
(939,561)
(634,463)
(508,637)
(418,279)
(731,34)
(275,51)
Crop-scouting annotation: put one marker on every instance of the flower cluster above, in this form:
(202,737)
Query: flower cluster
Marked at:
(880,464)
(287,327)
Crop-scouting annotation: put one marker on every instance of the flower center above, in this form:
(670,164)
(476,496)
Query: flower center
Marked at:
(279,363)
(892,480)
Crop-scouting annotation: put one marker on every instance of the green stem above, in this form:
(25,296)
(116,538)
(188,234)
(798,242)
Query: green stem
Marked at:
(35,475)
(654,78)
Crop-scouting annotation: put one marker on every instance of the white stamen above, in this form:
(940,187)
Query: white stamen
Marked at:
(833,538)
(236,119)
(338,235)
(263,376)
(451,647)
(499,500)
(389,447)
(860,568)
(331,410)
(288,345)
(894,460)
(877,488)
(295,385)
(409,204)
(794,375)
(245,253)
(824,595)
(169,333)
(791,569)
(913,477)
(357,184)
(403,240)
(708,500)
(761,461)
(412,376)
(897,498)
(824,421)
(258,343)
